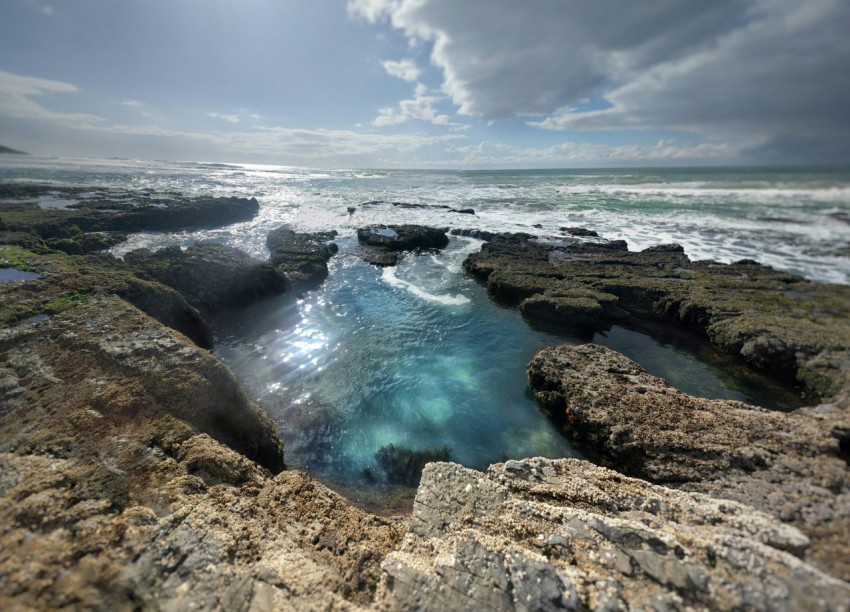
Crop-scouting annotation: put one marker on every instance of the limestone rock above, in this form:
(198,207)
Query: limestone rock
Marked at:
(542,535)
(787,464)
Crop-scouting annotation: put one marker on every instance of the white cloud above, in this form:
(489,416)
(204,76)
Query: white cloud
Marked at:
(405,69)
(570,155)
(132,103)
(17,93)
(420,107)
(748,71)
(230,118)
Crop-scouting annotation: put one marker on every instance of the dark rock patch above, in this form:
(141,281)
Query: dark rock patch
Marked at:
(404,466)
(210,276)
(380,244)
(302,257)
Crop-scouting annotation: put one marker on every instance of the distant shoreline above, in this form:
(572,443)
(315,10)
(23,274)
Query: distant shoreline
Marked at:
(9,151)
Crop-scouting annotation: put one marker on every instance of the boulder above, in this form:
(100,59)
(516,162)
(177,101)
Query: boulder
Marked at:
(302,257)
(380,245)
(210,276)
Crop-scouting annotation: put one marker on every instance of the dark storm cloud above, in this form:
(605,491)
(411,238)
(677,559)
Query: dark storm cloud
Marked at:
(766,75)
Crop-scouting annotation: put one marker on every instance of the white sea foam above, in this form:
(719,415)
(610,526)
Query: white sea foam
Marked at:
(389,276)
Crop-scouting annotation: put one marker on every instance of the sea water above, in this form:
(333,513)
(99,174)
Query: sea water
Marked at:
(417,355)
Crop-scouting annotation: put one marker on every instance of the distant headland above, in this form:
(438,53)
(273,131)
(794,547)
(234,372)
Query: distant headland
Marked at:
(9,151)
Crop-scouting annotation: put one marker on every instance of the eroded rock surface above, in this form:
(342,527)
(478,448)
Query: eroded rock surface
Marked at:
(545,535)
(127,481)
(787,464)
(793,328)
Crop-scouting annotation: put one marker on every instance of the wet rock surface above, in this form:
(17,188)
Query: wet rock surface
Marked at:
(544,535)
(381,244)
(786,464)
(302,257)
(92,209)
(793,328)
(210,276)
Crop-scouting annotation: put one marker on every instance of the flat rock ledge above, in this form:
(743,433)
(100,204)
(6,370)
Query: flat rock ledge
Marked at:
(567,535)
(790,465)
(778,322)
(381,245)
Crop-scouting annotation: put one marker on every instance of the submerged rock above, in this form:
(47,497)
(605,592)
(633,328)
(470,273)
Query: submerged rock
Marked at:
(86,243)
(786,464)
(210,276)
(579,231)
(380,244)
(302,257)
(403,466)
(544,535)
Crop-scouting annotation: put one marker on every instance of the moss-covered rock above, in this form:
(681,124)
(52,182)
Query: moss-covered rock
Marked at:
(302,257)
(796,329)
(210,276)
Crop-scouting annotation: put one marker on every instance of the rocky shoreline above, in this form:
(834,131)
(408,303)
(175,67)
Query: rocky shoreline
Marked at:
(136,473)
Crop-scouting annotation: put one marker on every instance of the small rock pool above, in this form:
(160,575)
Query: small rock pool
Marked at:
(13,274)
(417,356)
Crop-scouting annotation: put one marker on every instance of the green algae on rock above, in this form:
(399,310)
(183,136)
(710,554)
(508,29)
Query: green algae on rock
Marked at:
(795,329)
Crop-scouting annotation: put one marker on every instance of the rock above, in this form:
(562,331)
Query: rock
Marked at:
(787,464)
(539,534)
(403,466)
(210,276)
(577,309)
(86,243)
(99,211)
(665,248)
(302,257)
(379,245)
(66,281)
(749,310)
(464,211)
(579,231)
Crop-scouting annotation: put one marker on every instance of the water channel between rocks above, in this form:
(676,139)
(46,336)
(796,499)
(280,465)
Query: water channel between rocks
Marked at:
(419,357)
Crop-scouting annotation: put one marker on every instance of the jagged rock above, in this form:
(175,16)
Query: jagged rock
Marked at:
(302,257)
(210,276)
(464,211)
(787,464)
(380,245)
(488,236)
(542,535)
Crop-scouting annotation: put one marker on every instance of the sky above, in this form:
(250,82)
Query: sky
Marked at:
(429,83)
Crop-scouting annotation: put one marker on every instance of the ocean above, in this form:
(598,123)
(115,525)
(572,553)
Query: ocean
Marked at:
(417,356)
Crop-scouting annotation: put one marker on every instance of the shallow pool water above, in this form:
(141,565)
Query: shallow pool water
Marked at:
(415,356)
(13,274)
